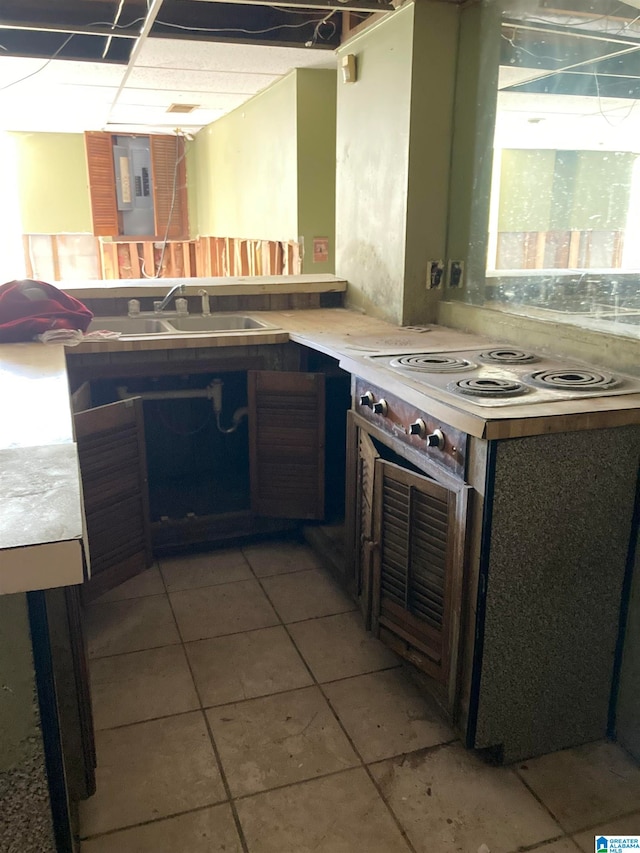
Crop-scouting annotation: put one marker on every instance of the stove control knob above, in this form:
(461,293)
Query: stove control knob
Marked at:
(367,400)
(418,428)
(436,439)
(381,407)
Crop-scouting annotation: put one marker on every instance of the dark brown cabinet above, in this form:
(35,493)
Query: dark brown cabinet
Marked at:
(286,443)
(111,450)
(408,535)
(207,499)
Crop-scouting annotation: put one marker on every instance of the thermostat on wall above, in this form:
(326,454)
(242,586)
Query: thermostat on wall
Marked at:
(348,63)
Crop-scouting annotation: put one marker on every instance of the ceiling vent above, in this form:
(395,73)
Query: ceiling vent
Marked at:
(182,108)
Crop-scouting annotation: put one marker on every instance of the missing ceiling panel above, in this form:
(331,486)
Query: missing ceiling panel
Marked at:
(182,108)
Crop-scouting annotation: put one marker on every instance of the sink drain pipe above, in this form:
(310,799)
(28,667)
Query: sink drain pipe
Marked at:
(212,392)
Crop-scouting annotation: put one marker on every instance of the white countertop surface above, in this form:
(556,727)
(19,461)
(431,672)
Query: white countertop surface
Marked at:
(41,518)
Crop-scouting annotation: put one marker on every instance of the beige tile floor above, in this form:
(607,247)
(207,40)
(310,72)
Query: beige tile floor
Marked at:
(240,707)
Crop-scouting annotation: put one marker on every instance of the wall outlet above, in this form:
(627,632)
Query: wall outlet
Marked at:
(435,274)
(455,274)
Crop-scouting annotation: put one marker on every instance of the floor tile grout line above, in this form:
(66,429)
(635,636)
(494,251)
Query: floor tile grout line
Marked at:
(208,585)
(153,820)
(97,603)
(242,797)
(136,651)
(359,674)
(536,797)
(594,826)
(392,814)
(530,848)
(277,624)
(290,689)
(216,753)
(91,658)
(223,775)
(149,720)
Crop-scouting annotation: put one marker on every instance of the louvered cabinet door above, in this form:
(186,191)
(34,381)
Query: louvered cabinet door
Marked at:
(366,543)
(111,449)
(102,184)
(286,443)
(169,178)
(418,567)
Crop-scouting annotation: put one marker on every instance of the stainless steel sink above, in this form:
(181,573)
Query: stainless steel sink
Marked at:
(172,325)
(131,325)
(218,323)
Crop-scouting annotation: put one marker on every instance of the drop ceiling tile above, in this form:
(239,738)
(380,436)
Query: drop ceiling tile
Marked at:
(136,114)
(13,68)
(91,73)
(198,81)
(244,58)
(165,97)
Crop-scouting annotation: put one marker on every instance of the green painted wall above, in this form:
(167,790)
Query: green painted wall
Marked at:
(316,138)
(435,42)
(245,169)
(526,181)
(266,171)
(393,153)
(603,187)
(543,190)
(372,168)
(472,144)
(53,184)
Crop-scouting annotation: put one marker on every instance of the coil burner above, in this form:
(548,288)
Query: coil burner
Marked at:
(572,379)
(432,363)
(487,386)
(507,356)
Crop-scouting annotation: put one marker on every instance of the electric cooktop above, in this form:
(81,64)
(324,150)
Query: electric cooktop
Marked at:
(502,376)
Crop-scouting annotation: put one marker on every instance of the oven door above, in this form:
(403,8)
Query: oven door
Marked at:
(420,528)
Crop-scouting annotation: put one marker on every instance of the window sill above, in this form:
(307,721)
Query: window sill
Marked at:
(552,334)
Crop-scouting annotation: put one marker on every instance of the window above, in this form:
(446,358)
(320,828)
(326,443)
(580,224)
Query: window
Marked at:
(564,230)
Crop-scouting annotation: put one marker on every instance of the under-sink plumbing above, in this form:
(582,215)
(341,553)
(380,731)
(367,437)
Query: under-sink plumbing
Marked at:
(213,392)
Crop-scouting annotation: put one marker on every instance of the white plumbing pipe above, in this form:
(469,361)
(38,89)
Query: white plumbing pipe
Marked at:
(207,393)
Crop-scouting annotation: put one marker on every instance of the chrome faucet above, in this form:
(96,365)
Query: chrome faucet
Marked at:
(206,309)
(176,290)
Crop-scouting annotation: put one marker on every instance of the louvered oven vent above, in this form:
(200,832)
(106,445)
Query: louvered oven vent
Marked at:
(182,108)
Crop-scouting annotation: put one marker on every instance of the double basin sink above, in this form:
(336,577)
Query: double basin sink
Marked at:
(143,325)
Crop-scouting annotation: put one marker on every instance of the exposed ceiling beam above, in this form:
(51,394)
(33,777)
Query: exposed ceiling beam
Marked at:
(152,14)
(69,28)
(240,24)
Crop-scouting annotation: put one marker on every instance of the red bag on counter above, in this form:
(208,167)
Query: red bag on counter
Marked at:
(29,308)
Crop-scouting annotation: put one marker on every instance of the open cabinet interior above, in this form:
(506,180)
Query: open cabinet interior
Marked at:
(196,436)
(227,453)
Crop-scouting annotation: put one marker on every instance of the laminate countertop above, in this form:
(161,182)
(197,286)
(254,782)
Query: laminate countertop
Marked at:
(41,525)
(352,338)
(41,520)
